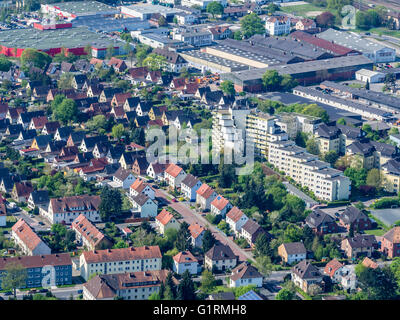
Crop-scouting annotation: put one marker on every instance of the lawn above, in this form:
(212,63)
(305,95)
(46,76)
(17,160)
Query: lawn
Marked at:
(302,10)
(382,31)
(376,232)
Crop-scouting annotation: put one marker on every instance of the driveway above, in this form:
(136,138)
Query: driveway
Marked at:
(190,216)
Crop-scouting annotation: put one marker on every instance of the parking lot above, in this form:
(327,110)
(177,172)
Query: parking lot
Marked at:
(387,216)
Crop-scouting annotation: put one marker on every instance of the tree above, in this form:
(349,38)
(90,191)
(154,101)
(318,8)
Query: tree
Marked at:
(118,131)
(312,146)
(110,51)
(374,178)
(208,240)
(227,87)
(207,281)
(237,35)
(252,24)
(186,289)
(162,22)
(314,289)
(331,157)
(65,81)
(154,62)
(66,111)
(285,294)
(138,136)
(367,85)
(357,176)
(379,283)
(39,59)
(264,266)
(5,64)
(325,20)
(271,80)
(262,245)
(341,121)
(141,53)
(111,204)
(182,239)
(215,8)
(15,277)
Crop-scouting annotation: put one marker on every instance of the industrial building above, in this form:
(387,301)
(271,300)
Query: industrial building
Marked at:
(145,11)
(74,40)
(306,73)
(374,51)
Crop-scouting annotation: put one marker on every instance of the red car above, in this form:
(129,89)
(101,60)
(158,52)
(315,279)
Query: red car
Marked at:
(173,200)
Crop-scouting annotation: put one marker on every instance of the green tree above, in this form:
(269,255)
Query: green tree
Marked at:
(285,294)
(118,131)
(65,81)
(215,8)
(237,35)
(207,281)
(111,204)
(271,80)
(15,277)
(162,22)
(312,146)
(341,121)
(186,290)
(65,111)
(154,62)
(182,239)
(5,64)
(379,283)
(227,87)
(331,157)
(208,240)
(37,58)
(374,178)
(252,24)
(110,51)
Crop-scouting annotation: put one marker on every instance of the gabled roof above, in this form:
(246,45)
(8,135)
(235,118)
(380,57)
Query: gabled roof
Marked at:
(173,170)
(87,230)
(317,218)
(294,248)
(140,199)
(235,214)
(362,241)
(122,174)
(59,259)
(205,191)
(245,271)
(196,230)
(184,257)
(164,217)
(332,266)
(190,180)
(26,234)
(220,202)
(393,235)
(220,252)
(110,255)
(350,214)
(367,262)
(305,270)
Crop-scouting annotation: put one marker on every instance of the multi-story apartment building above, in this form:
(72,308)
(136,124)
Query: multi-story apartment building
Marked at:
(327,183)
(27,240)
(391,176)
(261,128)
(229,129)
(278,25)
(67,209)
(197,37)
(38,267)
(114,261)
(292,123)
(128,286)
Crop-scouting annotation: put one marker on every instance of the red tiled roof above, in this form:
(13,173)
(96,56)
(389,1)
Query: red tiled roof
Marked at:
(220,202)
(65,204)
(138,185)
(60,259)
(87,230)
(367,262)
(196,230)
(39,122)
(184,257)
(164,217)
(235,214)
(332,266)
(173,170)
(26,234)
(205,191)
(110,255)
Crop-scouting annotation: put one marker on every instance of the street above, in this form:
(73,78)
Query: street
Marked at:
(61,293)
(190,216)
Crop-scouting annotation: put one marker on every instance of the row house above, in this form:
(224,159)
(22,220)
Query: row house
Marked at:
(174,175)
(139,186)
(143,205)
(196,235)
(165,220)
(235,218)
(204,196)
(220,206)
(190,184)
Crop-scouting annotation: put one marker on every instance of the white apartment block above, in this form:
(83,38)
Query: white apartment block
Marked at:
(276,26)
(202,3)
(116,261)
(327,183)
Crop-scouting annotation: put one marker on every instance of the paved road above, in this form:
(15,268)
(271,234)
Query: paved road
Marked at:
(61,293)
(190,216)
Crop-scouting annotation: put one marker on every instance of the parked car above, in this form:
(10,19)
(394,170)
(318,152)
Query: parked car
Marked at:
(8,293)
(43,290)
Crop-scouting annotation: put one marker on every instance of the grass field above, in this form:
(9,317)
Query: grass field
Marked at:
(301,10)
(380,31)
(376,232)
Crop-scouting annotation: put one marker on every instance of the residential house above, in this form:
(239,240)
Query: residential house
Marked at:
(117,64)
(185,261)
(251,230)
(359,245)
(204,196)
(390,243)
(245,274)
(220,257)
(123,178)
(340,274)
(88,235)
(220,206)
(292,252)
(321,222)
(145,206)
(139,186)
(27,240)
(21,191)
(354,218)
(174,175)
(139,166)
(156,170)
(165,220)
(190,184)
(305,24)
(196,235)
(235,218)
(277,25)
(38,198)
(304,274)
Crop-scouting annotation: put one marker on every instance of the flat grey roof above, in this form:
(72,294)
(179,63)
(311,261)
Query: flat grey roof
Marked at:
(351,41)
(111,24)
(83,7)
(68,38)
(150,9)
(214,59)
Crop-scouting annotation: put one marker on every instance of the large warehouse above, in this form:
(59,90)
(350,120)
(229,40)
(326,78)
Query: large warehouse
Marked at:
(306,73)
(74,40)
